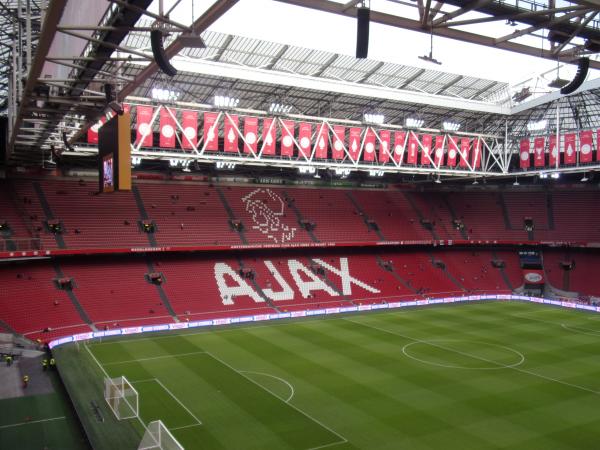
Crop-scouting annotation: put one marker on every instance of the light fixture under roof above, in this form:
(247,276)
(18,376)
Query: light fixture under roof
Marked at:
(165,94)
(437,180)
(516,183)
(411,122)
(279,108)
(373,118)
(558,83)
(584,178)
(451,126)
(537,125)
(224,101)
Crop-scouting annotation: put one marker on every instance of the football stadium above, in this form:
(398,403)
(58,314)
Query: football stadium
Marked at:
(299,224)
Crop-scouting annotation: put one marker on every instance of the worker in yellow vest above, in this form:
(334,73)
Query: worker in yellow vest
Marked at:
(25,381)
(52,363)
(44,364)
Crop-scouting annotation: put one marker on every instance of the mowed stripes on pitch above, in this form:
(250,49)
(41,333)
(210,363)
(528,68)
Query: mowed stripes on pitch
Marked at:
(353,381)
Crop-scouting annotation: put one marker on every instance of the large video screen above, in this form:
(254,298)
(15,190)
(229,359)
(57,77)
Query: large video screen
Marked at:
(108,174)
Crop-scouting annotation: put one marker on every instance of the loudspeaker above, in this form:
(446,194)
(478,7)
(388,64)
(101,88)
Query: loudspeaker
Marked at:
(156,41)
(582,70)
(363,16)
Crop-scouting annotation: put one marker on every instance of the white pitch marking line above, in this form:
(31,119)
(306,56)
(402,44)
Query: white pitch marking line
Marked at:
(328,445)
(115,363)
(577,329)
(186,426)
(179,401)
(289,385)
(342,438)
(20,424)
(482,359)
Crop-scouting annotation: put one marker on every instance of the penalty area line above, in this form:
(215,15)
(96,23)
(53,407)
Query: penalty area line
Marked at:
(31,422)
(116,363)
(342,440)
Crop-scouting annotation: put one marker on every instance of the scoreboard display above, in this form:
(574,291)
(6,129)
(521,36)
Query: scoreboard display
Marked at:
(114,154)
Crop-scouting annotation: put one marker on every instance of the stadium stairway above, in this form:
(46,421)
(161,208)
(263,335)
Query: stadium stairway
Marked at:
(463,230)
(48,212)
(257,287)
(78,307)
(419,214)
(143,213)
(396,275)
(364,215)
(505,215)
(444,269)
(230,213)
(550,210)
(503,273)
(327,280)
(161,292)
(292,205)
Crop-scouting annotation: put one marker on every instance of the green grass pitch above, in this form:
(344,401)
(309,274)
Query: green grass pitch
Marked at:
(453,377)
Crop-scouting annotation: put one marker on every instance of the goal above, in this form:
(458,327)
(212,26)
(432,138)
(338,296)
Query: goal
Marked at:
(122,398)
(158,437)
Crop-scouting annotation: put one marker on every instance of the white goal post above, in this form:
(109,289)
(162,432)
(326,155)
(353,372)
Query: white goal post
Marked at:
(158,437)
(122,398)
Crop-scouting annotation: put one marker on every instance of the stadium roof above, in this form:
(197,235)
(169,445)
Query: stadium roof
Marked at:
(84,48)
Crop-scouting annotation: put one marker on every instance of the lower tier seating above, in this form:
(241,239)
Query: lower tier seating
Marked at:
(117,292)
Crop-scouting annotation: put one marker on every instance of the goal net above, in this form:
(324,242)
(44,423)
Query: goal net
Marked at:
(158,437)
(121,397)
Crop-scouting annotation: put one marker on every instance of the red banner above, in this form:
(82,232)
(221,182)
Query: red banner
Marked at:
(413,148)
(552,150)
(385,138)
(476,154)
(354,144)
(251,135)
(286,144)
(304,139)
(452,151)
(144,130)
(586,143)
(92,133)
(189,123)
(211,131)
(166,127)
(465,147)
(524,153)
(322,145)
(269,134)
(369,145)
(426,156)
(539,159)
(570,156)
(598,145)
(339,137)
(533,276)
(230,134)
(399,146)
(438,154)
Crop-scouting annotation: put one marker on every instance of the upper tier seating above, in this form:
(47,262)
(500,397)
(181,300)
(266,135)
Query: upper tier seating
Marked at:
(187,214)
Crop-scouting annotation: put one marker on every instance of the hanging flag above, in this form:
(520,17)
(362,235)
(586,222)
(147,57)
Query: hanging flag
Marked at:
(385,137)
(322,143)
(92,133)
(539,159)
(369,145)
(304,139)
(399,146)
(426,156)
(269,133)
(465,147)
(552,150)
(586,142)
(166,127)
(230,133)
(570,156)
(251,135)
(144,129)
(452,151)
(126,107)
(339,137)
(211,131)
(438,155)
(286,144)
(413,148)
(476,154)
(189,123)
(354,143)
(524,153)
